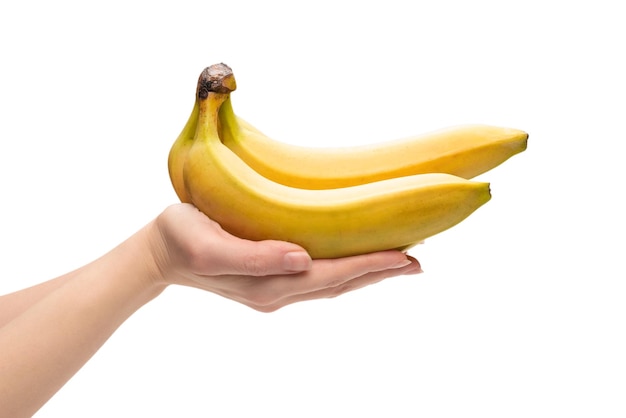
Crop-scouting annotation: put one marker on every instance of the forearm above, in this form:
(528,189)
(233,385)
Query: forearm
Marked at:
(50,341)
(14,304)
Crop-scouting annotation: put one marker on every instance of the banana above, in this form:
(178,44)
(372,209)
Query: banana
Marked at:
(393,213)
(465,151)
(182,144)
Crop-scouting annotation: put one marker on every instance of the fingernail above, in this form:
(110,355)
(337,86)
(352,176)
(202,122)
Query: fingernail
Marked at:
(416,270)
(401,264)
(297,261)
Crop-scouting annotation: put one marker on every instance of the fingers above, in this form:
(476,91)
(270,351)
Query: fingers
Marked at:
(342,288)
(328,278)
(328,273)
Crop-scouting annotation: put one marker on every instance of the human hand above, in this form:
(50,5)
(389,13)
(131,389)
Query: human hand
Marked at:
(192,250)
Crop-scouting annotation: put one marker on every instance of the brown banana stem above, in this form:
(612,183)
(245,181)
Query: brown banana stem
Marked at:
(218,78)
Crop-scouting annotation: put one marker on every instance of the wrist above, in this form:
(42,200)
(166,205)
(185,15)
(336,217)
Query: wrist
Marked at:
(157,260)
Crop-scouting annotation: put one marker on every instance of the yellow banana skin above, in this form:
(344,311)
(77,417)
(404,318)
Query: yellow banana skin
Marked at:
(465,151)
(178,154)
(388,214)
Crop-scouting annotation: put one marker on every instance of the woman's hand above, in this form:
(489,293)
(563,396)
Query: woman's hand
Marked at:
(192,250)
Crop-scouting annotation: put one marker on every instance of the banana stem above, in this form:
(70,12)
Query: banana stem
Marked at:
(218,78)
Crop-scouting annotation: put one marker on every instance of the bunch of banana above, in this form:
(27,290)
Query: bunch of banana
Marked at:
(465,151)
(378,210)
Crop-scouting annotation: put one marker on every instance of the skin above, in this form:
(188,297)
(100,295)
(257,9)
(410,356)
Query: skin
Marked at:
(49,331)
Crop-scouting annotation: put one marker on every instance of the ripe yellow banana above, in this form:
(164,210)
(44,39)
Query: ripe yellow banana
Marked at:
(387,214)
(180,148)
(465,151)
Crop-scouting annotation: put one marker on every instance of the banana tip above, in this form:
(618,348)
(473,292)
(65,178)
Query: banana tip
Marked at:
(487,192)
(526,141)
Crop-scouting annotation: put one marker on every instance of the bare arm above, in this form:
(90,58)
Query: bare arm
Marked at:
(49,331)
(46,343)
(14,304)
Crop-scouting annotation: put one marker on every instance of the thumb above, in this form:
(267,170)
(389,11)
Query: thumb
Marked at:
(269,257)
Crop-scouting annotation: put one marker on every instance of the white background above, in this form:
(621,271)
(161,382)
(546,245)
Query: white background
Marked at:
(520,311)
